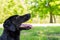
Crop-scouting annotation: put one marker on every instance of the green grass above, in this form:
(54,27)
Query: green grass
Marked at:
(40,33)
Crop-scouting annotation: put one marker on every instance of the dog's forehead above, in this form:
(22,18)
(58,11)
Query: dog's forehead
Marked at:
(12,16)
(18,17)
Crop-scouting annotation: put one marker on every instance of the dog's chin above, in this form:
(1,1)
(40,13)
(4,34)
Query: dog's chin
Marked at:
(27,26)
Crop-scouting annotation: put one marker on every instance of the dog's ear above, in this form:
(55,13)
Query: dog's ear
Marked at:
(12,27)
(8,25)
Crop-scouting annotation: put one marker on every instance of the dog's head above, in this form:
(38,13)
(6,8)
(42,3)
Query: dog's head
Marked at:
(14,23)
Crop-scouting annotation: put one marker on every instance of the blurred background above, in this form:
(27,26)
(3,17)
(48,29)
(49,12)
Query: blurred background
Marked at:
(42,12)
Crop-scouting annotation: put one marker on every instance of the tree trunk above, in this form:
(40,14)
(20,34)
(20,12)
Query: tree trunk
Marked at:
(51,17)
(54,19)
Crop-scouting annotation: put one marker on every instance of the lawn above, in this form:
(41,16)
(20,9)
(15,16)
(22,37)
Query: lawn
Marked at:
(40,33)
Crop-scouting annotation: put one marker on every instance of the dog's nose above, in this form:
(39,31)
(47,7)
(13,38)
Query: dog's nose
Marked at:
(28,15)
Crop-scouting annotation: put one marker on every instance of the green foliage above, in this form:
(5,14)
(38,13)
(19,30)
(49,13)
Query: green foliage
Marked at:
(10,7)
(36,7)
(43,7)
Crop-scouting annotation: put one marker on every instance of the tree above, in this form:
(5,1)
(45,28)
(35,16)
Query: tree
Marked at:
(44,7)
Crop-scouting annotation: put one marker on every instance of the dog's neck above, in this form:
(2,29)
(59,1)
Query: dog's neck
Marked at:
(12,35)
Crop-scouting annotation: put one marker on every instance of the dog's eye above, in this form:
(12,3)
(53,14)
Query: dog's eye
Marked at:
(17,17)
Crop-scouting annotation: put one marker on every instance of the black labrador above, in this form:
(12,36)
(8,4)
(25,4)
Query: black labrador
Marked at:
(13,25)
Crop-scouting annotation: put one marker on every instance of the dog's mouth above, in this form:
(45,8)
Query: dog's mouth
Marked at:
(26,26)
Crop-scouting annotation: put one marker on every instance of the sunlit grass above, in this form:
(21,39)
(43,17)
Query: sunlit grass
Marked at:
(40,33)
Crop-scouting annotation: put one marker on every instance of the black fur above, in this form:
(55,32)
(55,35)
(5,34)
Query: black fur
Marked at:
(12,27)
